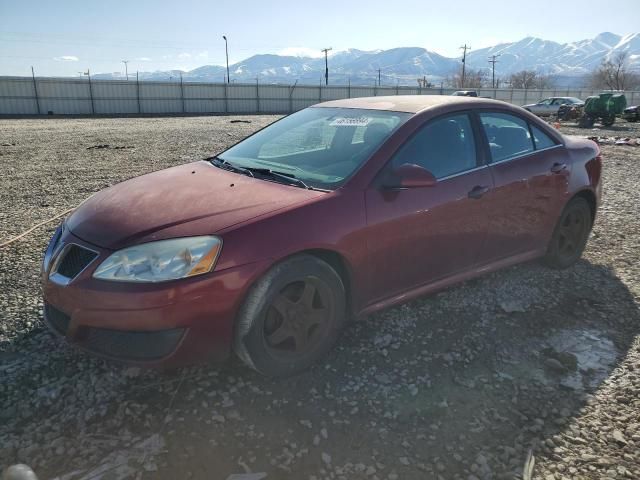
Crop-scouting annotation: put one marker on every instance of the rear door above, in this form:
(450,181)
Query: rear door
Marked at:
(420,235)
(530,174)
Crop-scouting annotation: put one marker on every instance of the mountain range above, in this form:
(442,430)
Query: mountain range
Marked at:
(567,62)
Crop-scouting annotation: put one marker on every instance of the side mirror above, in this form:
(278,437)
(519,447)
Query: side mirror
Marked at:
(409,175)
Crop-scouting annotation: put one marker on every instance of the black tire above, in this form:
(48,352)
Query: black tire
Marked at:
(300,294)
(570,234)
(608,121)
(586,121)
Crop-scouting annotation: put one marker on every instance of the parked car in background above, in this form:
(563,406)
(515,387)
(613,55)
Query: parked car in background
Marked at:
(549,106)
(465,93)
(333,212)
(632,114)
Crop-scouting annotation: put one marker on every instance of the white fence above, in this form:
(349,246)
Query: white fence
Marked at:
(81,96)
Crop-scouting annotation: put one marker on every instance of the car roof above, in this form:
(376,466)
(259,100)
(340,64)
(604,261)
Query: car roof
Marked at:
(409,103)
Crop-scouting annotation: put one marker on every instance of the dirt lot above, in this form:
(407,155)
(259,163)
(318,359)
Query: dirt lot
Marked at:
(457,385)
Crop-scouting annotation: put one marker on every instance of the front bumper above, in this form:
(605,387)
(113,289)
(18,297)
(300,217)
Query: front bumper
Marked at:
(164,324)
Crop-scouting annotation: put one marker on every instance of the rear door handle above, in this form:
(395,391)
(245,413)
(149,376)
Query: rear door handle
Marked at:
(558,167)
(478,191)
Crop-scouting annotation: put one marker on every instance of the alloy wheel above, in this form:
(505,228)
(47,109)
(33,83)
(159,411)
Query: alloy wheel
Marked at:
(298,317)
(571,233)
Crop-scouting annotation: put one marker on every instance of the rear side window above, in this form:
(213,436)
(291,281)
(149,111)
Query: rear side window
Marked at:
(541,139)
(507,134)
(445,146)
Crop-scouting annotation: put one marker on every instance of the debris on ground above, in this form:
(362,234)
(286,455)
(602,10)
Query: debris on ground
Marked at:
(19,472)
(632,142)
(106,145)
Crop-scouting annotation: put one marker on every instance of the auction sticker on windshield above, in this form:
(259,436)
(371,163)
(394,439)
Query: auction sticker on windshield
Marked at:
(350,122)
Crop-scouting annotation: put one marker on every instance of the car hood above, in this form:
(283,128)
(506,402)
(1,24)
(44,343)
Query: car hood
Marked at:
(170,203)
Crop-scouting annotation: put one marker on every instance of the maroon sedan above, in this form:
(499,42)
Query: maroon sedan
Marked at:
(333,212)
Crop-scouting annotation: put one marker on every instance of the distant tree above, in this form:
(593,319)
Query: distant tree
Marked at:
(530,79)
(613,74)
(472,79)
(424,83)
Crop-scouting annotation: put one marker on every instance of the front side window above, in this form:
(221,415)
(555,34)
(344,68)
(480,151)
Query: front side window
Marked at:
(507,134)
(320,146)
(445,146)
(546,101)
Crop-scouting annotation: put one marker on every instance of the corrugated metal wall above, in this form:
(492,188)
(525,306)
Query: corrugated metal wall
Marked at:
(26,96)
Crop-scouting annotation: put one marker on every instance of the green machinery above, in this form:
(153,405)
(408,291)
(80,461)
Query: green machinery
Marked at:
(603,107)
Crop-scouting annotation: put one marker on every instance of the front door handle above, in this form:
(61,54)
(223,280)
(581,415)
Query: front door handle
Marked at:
(558,167)
(478,191)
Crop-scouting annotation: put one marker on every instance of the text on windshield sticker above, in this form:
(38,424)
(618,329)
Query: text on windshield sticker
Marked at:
(350,122)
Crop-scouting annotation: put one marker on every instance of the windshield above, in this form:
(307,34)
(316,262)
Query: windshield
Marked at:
(321,146)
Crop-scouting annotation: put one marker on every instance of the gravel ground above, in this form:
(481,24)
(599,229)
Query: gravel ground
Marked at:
(462,384)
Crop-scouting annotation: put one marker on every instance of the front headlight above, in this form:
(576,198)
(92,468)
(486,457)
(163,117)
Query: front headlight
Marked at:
(161,261)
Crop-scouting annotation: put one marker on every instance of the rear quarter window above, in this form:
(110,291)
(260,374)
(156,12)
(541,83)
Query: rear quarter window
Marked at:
(541,139)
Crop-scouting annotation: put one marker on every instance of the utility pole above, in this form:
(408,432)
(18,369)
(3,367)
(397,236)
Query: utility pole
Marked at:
(126,69)
(379,76)
(464,49)
(493,61)
(326,64)
(35,89)
(226,48)
(93,107)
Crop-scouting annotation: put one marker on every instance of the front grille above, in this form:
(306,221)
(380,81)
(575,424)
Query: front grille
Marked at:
(57,319)
(129,345)
(76,259)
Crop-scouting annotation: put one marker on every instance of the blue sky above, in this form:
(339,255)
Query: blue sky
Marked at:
(64,37)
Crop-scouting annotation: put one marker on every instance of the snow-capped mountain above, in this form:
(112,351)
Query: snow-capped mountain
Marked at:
(406,64)
(545,56)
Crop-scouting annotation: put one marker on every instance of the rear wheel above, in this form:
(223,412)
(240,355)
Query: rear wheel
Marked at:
(291,317)
(586,121)
(570,235)
(608,120)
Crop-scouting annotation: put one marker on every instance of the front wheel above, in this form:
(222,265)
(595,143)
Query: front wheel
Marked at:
(291,317)
(570,235)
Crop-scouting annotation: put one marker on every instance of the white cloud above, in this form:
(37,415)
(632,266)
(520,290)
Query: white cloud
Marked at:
(66,58)
(203,54)
(143,59)
(184,55)
(301,52)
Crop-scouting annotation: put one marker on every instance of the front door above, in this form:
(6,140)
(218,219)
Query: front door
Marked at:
(420,235)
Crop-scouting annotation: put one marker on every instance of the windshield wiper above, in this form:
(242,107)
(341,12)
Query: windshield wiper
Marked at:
(219,162)
(288,177)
